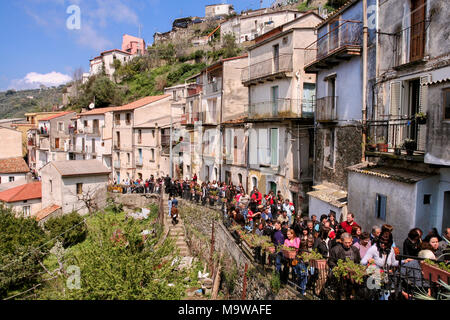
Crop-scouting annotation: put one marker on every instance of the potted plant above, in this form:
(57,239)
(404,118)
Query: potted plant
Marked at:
(371,146)
(382,145)
(236,231)
(315,259)
(349,270)
(410,146)
(289,252)
(421,118)
(435,270)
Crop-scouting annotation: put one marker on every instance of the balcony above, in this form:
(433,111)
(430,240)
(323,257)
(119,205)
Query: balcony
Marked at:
(165,140)
(213,87)
(208,117)
(77,149)
(116,146)
(31,142)
(93,132)
(190,118)
(44,144)
(117,164)
(326,109)
(343,42)
(267,70)
(194,90)
(43,133)
(386,138)
(139,162)
(279,109)
(409,45)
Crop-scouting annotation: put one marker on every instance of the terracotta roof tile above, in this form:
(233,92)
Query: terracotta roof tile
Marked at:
(13,165)
(97,111)
(141,102)
(56,116)
(46,212)
(24,192)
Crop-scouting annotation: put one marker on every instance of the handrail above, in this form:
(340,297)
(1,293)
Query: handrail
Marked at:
(318,39)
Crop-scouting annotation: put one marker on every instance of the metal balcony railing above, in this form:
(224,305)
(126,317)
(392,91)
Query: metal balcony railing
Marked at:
(213,87)
(326,108)
(268,67)
(393,133)
(280,108)
(92,131)
(346,34)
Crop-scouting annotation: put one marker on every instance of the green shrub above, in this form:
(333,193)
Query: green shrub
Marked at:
(72,222)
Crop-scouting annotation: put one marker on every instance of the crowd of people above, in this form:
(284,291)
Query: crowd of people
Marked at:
(274,216)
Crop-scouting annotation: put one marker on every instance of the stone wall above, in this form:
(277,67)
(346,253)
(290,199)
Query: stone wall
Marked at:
(134,201)
(348,152)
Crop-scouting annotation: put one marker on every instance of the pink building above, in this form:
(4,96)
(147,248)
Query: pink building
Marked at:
(133,45)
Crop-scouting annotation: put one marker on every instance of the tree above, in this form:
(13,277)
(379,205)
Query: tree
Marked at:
(336,4)
(23,246)
(72,222)
(229,46)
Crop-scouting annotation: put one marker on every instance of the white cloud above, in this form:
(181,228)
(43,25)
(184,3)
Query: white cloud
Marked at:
(33,80)
(89,37)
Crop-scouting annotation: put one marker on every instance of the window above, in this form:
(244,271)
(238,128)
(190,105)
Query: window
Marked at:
(11,179)
(254,182)
(117,119)
(60,126)
(274,147)
(85,123)
(26,211)
(426,198)
(79,188)
(51,186)
(139,136)
(447,104)
(153,155)
(128,120)
(380,207)
(128,158)
(240,177)
(153,133)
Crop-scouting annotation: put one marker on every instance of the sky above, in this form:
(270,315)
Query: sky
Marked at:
(42,44)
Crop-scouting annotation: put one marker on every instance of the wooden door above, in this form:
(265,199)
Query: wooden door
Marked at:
(417,29)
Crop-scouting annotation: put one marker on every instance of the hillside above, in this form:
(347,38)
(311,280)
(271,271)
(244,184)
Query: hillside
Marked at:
(14,104)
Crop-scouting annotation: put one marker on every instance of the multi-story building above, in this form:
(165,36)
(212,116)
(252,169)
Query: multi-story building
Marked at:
(52,138)
(91,136)
(336,57)
(133,45)
(279,112)
(105,62)
(251,24)
(125,118)
(11,143)
(407,177)
(218,10)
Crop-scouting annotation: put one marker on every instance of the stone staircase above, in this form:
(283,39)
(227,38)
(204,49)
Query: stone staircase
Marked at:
(176,233)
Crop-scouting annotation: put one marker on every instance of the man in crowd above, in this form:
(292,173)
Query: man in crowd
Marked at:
(344,250)
(289,208)
(283,218)
(374,234)
(350,223)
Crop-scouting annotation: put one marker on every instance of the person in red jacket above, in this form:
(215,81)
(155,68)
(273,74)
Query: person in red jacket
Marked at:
(350,223)
(257,196)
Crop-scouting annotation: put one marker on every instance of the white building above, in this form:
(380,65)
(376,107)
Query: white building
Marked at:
(216,10)
(24,200)
(13,170)
(105,61)
(66,183)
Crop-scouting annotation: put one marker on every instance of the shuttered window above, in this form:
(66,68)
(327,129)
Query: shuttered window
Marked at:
(380,207)
(396,99)
(274,146)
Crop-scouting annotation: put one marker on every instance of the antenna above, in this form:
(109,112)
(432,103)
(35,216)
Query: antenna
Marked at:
(260,4)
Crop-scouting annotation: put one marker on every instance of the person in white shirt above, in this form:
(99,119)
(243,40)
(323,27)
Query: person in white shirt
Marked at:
(289,208)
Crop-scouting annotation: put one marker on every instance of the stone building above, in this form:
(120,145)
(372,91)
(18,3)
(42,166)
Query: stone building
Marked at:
(406,177)
(24,200)
(66,184)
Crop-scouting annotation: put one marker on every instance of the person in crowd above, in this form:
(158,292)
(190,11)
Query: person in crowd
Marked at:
(323,242)
(260,230)
(356,233)
(289,208)
(374,234)
(266,215)
(411,245)
(292,240)
(333,222)
(174,213)
(348,225)
(444,244)
(170,206)
(283,218)
(364,243)
(431,243)
(344,250)
(310,226)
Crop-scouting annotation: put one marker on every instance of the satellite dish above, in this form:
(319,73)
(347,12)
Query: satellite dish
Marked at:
(92,106)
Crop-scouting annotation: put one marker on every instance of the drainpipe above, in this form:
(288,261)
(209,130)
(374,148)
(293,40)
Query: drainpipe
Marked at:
(364,91)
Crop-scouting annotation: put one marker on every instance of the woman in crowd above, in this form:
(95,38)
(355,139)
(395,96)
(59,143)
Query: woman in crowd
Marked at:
(356,233)
(411,245)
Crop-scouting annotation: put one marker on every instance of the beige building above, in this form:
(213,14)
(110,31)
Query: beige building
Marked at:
(125,118)
(215,10)
(24,200)
(13,170)
(91,136)
(280,110)
(66,184)
(53,138)
(11,145)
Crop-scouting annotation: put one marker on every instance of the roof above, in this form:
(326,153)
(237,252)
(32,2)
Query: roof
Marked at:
(24,192)
(80,167)
(108,51)
(46,212)
(141,103)
(56,116)
(436,82)
(330,194)
(215,64)
(13,165)
(385,172)
(97,111)
(162,122)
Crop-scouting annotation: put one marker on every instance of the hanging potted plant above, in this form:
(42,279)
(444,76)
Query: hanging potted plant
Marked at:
(236,231)
(410,146)
(315,259)
(382,145)
(349,270)
(435,270)
(289,252)
(421,118)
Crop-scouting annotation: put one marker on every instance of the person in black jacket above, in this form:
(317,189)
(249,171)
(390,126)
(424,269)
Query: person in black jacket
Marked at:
(343,251)
(322,246)
(411,245)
